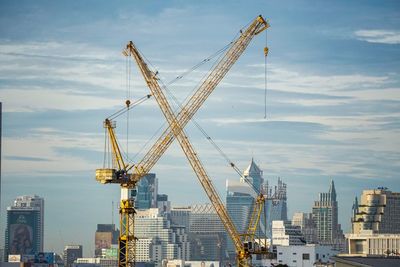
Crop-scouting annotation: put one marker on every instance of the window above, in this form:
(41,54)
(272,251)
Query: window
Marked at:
(306,256)
(294,253)
(280,253)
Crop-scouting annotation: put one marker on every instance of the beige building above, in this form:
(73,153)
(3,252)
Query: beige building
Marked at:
(368,243)
(378,210)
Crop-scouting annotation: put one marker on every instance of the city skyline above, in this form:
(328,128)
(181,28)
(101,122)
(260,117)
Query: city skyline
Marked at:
(332,101)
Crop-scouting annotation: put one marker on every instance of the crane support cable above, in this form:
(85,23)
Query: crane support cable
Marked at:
(125,109)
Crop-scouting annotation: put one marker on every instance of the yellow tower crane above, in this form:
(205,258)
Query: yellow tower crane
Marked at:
(243,252)
(127,175)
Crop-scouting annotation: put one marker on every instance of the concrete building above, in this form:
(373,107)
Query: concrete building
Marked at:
(307,226)
(166,242)
(95,262)
(367,243)
(286,234)
(25,226)
(71,253)
(378,210)
(344,261)
(106,235)
(305,256)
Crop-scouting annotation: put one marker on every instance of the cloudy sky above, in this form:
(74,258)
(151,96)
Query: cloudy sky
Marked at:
(333,100)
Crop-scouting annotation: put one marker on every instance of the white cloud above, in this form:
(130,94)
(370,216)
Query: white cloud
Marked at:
(378,36)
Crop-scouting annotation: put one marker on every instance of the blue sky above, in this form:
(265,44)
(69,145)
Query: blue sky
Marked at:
(333,100)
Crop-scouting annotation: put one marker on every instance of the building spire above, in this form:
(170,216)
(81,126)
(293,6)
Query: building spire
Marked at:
(332,190)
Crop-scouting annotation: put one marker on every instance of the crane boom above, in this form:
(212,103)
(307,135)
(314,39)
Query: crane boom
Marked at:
(198,98)
(183,140)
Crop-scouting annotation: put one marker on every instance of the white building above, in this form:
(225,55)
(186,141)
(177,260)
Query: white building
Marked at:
(157,240)
(368,243)
(85,262)
(286,234)
(304,256)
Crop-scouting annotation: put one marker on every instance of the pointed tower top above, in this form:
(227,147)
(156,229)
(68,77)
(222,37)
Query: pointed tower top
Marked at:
(252,169)
(332,190)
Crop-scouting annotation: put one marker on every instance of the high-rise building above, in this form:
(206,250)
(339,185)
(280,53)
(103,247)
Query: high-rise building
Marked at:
(106,235)
(157,240)
(71,253)
(253,174)
(206,234)
(378,210)
(241,196)
(307,226)
(325,215)
(163,204)
(276,205)
(180,216)
(146,192)
(25,226)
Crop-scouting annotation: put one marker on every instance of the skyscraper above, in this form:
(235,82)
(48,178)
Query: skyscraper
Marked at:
(25,226)
(378,210)
(146,192)
(325,216)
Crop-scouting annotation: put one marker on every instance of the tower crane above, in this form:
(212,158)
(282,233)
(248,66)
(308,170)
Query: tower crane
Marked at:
(127,175)
(243,252)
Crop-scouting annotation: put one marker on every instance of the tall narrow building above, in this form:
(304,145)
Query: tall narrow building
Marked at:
(325,216)
(25,226)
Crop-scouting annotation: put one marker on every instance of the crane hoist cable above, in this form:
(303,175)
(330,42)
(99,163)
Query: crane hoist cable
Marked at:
(265,74)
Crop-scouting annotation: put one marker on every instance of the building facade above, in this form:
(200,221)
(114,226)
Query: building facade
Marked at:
(306,256)
(378,210)
(157,239)
(25,226)
(146,192)
(367,243)
(206,234)
(71,253)
(307,226)
(286,234)
(106,235)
